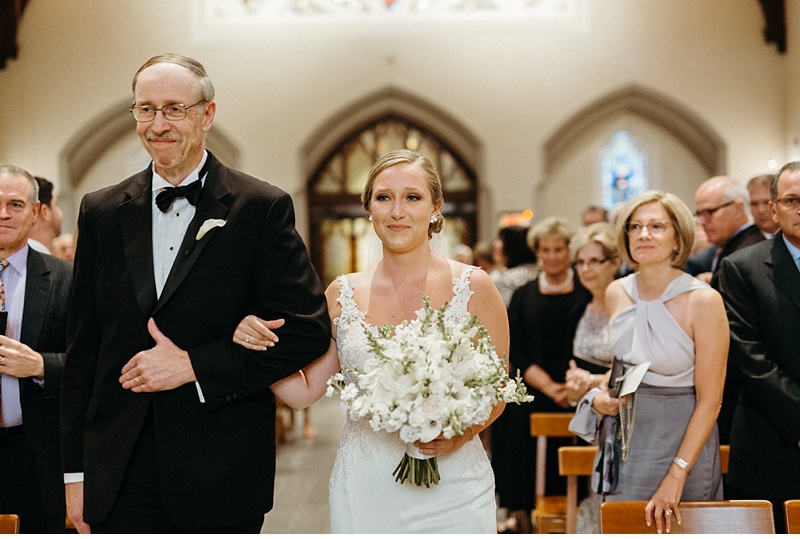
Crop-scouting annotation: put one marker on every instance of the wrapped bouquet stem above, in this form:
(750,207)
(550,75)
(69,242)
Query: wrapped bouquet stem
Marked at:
(435,375)
(417,468)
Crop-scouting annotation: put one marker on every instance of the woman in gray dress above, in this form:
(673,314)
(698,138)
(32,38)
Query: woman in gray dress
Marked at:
(661,315)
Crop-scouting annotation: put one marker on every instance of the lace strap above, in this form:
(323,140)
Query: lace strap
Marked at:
(349,307)
(461,293)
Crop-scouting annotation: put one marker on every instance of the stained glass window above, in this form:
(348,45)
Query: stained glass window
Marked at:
(623,166)
(341,236)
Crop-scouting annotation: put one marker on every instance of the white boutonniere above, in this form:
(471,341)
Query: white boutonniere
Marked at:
(208,225)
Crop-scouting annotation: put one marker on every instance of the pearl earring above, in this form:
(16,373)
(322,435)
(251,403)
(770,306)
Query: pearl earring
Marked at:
(433,218)
(370,218)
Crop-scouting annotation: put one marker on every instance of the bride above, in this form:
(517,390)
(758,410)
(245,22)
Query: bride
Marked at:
(403,197)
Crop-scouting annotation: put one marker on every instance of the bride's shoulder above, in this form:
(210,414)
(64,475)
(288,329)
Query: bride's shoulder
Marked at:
(479,280)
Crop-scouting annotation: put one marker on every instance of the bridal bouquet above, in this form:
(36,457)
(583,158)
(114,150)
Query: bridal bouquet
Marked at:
(427,377)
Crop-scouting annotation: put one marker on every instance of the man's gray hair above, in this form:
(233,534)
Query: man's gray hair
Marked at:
(12,170)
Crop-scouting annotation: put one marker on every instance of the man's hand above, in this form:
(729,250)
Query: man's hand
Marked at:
(163,367)
(74,492)
(705,277)
(18,359)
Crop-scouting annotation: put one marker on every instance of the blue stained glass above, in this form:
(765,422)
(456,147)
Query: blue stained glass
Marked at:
(623,166)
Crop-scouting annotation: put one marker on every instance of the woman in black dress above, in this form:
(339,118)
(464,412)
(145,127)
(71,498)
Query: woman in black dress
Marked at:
(541,324)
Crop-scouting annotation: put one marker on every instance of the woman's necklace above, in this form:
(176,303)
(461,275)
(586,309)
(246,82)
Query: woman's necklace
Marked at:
(547,286)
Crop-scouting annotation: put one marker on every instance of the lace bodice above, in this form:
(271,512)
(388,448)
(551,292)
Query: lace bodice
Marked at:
(353,349)
(350,336)
(591,336)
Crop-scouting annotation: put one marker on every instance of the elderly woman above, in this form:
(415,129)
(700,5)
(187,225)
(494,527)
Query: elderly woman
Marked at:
(662,315)
(540,345)
(596,260)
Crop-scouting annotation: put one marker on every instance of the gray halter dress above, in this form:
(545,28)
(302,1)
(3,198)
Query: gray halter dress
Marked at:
(646,331)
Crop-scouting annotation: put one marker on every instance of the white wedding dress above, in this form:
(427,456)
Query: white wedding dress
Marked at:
(364,497)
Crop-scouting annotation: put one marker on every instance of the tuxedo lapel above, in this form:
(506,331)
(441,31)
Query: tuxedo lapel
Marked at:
(783,271)
(136,222)
(210,207)
(38,286)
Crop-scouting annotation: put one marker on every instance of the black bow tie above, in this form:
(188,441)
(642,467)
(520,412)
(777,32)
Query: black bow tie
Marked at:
(168,195)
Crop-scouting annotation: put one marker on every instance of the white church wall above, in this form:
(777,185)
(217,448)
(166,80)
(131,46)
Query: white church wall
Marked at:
(512,82)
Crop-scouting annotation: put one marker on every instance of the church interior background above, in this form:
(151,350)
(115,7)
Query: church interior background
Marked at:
(540,105)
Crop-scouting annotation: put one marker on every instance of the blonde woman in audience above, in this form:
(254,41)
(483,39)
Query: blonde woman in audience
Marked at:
(662,315)
(541,339)
(596,261)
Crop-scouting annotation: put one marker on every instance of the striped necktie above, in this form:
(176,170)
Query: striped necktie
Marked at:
(3,266)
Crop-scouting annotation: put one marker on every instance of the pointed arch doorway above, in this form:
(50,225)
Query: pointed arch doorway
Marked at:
(339,230)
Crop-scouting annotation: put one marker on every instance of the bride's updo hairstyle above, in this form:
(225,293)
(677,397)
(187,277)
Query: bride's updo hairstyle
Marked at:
(407,157)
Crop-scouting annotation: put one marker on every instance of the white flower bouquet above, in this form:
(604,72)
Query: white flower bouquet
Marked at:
(427,377)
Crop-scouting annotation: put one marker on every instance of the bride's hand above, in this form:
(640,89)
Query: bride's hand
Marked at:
(444,446)
(255,333)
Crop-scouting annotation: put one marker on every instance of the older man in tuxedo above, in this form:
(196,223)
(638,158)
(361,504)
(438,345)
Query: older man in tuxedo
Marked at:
(169,426)
(761,289)
(34,295)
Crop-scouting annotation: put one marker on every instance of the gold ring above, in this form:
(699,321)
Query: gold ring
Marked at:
(136,380)
(668,512)
(247,339)
(2,361)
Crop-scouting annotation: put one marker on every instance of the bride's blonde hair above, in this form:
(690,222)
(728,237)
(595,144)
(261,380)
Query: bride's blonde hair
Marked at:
(407,157)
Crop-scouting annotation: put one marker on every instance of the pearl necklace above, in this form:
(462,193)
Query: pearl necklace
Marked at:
(547,286)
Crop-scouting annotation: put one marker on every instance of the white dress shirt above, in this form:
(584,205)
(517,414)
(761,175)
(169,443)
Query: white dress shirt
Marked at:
(169,228)
(38,246)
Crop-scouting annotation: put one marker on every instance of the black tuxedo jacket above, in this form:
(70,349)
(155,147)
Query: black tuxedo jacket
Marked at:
(216,459)
(761,289)
(44,329)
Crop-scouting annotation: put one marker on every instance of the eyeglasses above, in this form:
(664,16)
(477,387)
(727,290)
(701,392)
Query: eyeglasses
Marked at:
(709,213)
(592,263)
(789,203)
(173,112)
(657,228)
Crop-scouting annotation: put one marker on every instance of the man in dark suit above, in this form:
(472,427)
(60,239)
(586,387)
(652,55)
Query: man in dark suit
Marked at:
(758,189)
(34,295)
(721,209)
(761,289)
(170,427)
